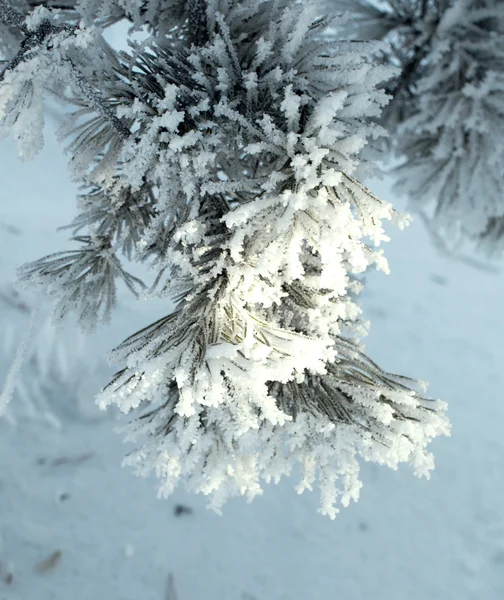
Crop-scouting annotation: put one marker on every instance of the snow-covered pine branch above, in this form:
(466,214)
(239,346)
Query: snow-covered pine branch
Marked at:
(229,151)
(446,117)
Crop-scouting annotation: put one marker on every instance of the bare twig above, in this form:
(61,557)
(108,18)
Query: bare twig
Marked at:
(49,563)
(12,229)
(171,593)
(66,460)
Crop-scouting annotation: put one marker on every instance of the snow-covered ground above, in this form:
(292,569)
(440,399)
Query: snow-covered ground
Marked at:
(75,526)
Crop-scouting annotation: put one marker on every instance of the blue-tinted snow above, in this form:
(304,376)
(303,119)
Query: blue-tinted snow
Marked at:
(406,539)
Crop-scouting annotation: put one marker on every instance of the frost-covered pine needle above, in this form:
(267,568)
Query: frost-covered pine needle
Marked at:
(226,151)
(18,361)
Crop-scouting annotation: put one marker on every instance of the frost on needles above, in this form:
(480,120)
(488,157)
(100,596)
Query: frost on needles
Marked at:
(446,116)
(224,151)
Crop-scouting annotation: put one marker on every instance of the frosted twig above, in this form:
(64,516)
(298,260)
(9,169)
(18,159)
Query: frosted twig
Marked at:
(17,364)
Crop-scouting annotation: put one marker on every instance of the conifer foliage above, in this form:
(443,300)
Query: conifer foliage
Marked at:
(446,116)
(224,151)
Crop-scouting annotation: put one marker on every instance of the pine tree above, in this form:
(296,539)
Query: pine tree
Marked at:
(224,151)
(446,116)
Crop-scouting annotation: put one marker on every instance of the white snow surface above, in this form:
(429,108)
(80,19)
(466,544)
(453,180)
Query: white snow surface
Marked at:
(62,488)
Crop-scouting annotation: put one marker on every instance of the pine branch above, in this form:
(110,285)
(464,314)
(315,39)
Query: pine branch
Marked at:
(226,148)
(446,109)
(11,17)
(96,103)
(84,280)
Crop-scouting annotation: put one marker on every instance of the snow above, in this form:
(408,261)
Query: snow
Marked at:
(63,490)
(73,524)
